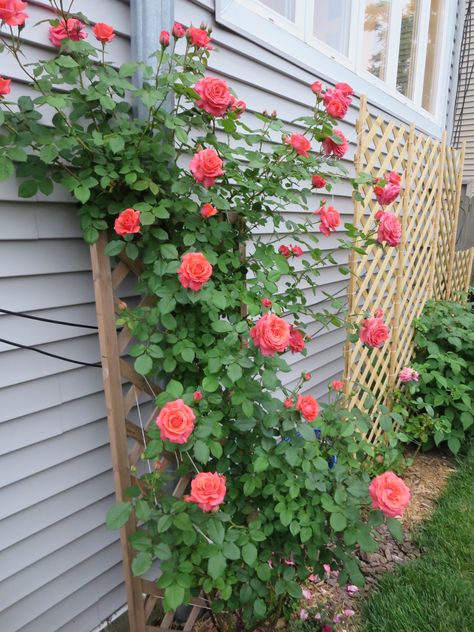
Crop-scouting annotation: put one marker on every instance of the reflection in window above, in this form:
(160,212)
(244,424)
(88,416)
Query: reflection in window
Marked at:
(432,54)
(408,46)
(286,8)
(331,24)
(376,27)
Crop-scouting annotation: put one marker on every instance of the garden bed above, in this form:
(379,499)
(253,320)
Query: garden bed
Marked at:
(426,478)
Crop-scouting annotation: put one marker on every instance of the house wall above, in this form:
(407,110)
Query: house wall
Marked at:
(60,569)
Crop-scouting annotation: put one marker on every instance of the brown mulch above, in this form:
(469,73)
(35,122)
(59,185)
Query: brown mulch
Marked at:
(426,478)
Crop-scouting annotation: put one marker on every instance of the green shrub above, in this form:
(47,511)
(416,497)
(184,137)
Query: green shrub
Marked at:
(440,404)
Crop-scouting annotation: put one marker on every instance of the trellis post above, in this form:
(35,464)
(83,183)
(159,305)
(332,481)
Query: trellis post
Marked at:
(439,210)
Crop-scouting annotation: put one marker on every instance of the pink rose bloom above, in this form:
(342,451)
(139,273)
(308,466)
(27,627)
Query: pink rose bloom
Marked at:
(128,222)
(389,229)
(236,106)
(206,166)
(351,589)
(303,614)
(103,32)
(345,88)
(207,490)
(389,494)
(374,332)
(194,271)
(198,37)
(408,375)
(316,87)
(176,421)
(330,219)
(393,177)
(336,103)
(318,182)
(215,96)
(164,39)
(313,578)
(70,29)
(288,403)
(333,149)
(207,210)
(299,143)
(296,340)
(387,194)
(337,385)
(271,334)
(308,407)
(266,302)
(11,12)
(178,30)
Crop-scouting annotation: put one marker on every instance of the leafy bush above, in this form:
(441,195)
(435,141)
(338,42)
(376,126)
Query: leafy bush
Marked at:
(276,490)
(440,405)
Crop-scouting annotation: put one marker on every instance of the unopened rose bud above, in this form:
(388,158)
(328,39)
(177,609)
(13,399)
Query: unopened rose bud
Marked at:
(265,113)
(266,302)
(197,396)
(307,376)
(164,39)
(274,114)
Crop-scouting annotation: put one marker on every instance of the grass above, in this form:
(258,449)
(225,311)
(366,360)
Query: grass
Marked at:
(434,593)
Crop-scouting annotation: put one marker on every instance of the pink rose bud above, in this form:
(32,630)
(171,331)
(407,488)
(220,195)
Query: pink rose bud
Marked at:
(164,39)
(197,396)
(307,376)
(178,30)
(4,86)
(318,181)
(266,302)
(288,403)
(316,87)
(207,210)
(296,251)
(285,251)
(337,385)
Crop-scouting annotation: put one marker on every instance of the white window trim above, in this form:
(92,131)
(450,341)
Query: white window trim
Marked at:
(251,20)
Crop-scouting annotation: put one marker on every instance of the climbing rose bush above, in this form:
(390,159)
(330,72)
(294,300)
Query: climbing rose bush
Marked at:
(278,482)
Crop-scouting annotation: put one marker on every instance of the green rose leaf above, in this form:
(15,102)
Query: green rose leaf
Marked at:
(118,515)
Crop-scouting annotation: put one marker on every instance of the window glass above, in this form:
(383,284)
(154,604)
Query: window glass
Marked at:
(432,56)
(408,46)
(375,39)
(331,23)
(286,8)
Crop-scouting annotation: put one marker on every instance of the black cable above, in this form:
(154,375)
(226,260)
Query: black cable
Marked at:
(47,320)
(465,65)
(51,355)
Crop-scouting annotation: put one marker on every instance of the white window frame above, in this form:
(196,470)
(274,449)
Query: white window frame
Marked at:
(261,24)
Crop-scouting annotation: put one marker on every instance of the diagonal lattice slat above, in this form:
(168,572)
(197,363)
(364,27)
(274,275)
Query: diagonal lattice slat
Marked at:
(400,280)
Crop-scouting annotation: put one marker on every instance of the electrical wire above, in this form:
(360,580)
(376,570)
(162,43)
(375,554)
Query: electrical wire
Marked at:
(47,320)
(50,355)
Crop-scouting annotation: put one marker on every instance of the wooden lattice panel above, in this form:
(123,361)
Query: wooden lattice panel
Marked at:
(400,280)
(124,390)
(462,270)
(448,219)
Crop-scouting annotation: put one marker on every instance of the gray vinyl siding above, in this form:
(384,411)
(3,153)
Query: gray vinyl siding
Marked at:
(60,569)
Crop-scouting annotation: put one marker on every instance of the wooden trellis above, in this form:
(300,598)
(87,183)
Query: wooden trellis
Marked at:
(124,388)
(400,280)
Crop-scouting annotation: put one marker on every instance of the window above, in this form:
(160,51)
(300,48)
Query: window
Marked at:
(393,44)
(331,22)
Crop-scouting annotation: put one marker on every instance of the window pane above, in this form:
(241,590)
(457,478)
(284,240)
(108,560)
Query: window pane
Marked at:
(376,27)
(331,23)
(408,45)
(432,56)
(286,8)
